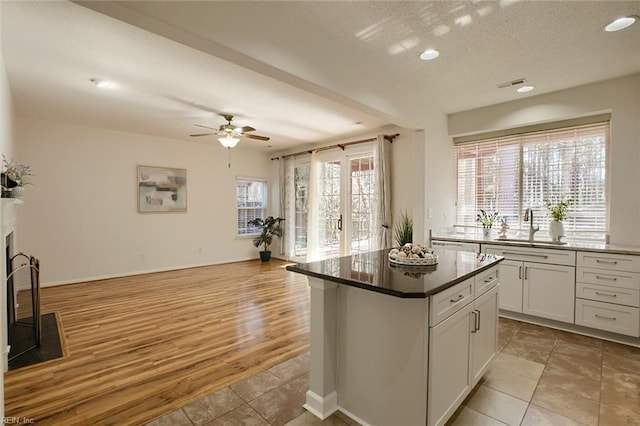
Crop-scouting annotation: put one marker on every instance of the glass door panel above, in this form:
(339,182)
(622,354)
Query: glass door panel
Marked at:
(363,193)
(330,211)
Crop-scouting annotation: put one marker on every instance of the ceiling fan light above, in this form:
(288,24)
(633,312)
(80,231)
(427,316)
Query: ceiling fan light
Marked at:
(238,130)
(228,141)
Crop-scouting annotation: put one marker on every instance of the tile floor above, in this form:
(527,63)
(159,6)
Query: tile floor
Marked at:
(540,377)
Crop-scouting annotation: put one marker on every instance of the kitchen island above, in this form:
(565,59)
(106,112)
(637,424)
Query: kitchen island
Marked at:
(395,345)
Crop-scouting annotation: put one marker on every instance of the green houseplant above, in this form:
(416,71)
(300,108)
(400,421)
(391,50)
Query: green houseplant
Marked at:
(558,212)
(403,229)
(270,227)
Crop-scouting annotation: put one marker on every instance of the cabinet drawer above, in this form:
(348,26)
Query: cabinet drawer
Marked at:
(449,301)
(608,317)
(528,254)
(619,296)
(474,247)
(485,280)
(613,262)
(630,280)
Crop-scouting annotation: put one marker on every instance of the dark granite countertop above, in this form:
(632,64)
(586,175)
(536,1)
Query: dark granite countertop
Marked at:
(373,271)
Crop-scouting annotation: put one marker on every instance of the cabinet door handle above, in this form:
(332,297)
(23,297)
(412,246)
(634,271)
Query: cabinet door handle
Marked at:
(488,280)
(605,317)
(457,299)
(519,272)
(608,262)
(340,223)
(605,294)
(478,325)
(526,272)
(600,277)
(475,322)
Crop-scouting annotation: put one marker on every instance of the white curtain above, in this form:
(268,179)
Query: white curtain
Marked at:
(313,249)
(287,206)
(383,224)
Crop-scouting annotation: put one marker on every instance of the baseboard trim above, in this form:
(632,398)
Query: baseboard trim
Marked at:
(572,328)
(321,407)
(140,272)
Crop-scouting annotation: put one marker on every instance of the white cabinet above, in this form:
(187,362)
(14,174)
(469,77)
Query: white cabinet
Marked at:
(539,282)
(449,381)
(608,292)
(511,285)
(549,291)
(484,334)
(462,343)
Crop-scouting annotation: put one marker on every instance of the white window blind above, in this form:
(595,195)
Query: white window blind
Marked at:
(251,199)
(508,174)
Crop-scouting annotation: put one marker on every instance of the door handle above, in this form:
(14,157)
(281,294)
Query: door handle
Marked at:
(478,317)
(519,272)
(475,321)
(340,223)
(526,270)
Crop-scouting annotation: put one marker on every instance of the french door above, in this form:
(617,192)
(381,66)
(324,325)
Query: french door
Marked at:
(346,203)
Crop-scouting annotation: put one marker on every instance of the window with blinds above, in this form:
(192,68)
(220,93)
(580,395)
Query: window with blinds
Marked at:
(510,173)
(251,199)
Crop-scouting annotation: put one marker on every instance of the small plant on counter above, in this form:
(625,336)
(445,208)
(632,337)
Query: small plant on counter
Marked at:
(487,219)
(403,229)
(558,211)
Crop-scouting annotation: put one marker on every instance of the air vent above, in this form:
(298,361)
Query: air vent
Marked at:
(511,83)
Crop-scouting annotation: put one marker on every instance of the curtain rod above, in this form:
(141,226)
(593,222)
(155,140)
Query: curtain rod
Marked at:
(390,138)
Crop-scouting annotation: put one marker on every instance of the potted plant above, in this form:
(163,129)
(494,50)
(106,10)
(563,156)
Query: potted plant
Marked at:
(558,213)
(270,227)
(403,229)
(487,220)
(14,178)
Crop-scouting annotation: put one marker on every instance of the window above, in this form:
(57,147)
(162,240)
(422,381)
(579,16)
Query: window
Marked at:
(508,174)
(251,198)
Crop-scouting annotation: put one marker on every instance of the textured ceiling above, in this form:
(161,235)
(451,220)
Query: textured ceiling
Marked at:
(303,71)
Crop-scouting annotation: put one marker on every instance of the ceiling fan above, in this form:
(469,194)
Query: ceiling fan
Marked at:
(229,134)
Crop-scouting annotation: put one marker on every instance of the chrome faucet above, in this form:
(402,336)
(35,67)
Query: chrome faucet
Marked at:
(528,217)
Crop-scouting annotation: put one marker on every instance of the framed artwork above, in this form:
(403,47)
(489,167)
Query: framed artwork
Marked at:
(161,189)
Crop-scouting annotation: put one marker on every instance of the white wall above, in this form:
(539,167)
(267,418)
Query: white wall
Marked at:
(622,98)
(7,143)
(80,217)
(439,165)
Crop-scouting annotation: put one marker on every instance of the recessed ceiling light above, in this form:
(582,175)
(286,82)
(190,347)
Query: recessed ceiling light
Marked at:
(621,23)
(102,84)
(525,89)
(429,54)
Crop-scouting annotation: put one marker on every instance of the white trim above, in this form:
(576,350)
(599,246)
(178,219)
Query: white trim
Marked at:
(572,328)
(321,407)
(140,272)
(353,416)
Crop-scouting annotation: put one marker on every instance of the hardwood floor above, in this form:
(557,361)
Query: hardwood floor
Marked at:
(137,347)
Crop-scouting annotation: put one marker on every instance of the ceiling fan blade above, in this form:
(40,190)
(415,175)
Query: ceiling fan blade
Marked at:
(245,129)
(260,138)
(202,134)
(206,127)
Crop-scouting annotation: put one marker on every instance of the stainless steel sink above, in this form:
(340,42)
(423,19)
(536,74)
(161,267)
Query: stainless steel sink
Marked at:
(524,240)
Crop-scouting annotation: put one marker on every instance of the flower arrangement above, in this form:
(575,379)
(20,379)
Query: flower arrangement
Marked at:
(558,211)
(487,219)
(15,171)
